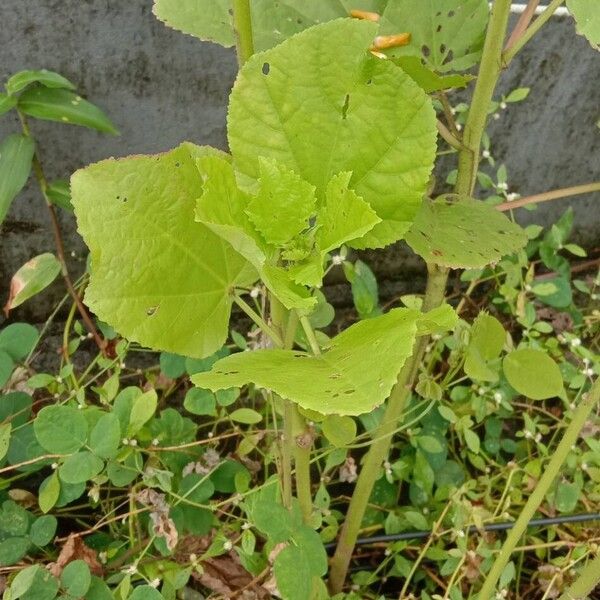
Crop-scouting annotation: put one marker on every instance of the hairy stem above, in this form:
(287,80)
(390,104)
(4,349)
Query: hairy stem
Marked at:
(586,188)
(58,241)
(541,489)
(518,44)
(434,296)
(242,23)
(587,581)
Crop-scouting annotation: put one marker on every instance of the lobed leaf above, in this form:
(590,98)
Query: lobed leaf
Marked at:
(157,276)
(323,86)
(460,232)
(352,376)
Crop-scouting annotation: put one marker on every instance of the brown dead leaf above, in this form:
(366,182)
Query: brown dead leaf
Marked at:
(75,549)
(16,285)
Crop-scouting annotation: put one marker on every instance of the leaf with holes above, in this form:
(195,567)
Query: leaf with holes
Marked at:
(462,233)
(157,276)
(352,376)
(429,80)
(322,85)
(446,34)
(587,18)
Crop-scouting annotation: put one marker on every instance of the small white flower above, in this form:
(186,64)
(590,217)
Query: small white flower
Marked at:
(125,442)
(133,442)
(387,552)
(503,105)
(575,342)
(246,526)
(54,466)
(57,396)
(122,365)
(486,154)
(228,545)
(458,127)
(589,372)
(155,442)
(481,391)
(386,465)
(254,292)
(528,287)
(496,116)
(497,397)
(538,437)
(73,254)
(512,196)
(586,361)
(584,466)
(103,557)
(155,583)
(210,434)
(336,259)
(528,435)
(503,185)
(130,570)
(90,336)
(425,510)
(59,379)
(428,349)
(193,558)
(488,470)
(460,533)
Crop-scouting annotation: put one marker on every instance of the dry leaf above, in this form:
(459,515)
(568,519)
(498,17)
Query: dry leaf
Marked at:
(75,549)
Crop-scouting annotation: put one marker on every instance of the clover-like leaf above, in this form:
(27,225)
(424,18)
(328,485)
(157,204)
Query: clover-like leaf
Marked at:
(446,34)
(321,104)
(587,18)
(460,232)
(352,376)
(157,276)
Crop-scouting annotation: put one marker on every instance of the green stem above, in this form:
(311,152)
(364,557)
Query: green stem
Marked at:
(586,188)
(242,23)
(258,320)
(310,336)
(587,581)
(371,467)
(434,296)
(541,489)
(489,70)
(302,446)
(530,32)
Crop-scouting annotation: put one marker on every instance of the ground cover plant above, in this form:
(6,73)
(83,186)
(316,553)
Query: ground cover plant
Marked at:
(286,454)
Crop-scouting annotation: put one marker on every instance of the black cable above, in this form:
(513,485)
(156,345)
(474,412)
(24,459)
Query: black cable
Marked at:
(505,525)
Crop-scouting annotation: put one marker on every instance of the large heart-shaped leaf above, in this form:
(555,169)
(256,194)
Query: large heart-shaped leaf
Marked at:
(157,276)
(460,232)
(321,104)
(587,17)
(352,376)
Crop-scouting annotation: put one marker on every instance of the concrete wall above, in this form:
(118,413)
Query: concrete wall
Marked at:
(161,87)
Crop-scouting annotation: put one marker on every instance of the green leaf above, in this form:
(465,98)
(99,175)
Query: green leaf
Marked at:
(59,193)
(183,302)
(566,497)
(18,340)
(145,592)
(43,530)
(7,103)
(487,340)
(196,488)
(80,467)
(587,18)
(429,444)
(16,153)
(6,367)
(459,232)
(13,550)
(533,373)
(472,440)
(60,429)
(340,431)
(273,520)
(105,437)
(336,98)
(352,376)
(49,492)
(98,590)
(555,292)
(34,583)
(5,430)
(292,574)
(142,410)
(429,80)
(200,402)
(33,277)
(344,216)
(76,578)
(283,205)
(447,34)
(365,291)
(246,416)
(172,365)
(64,106)
(19,81)
(517,95)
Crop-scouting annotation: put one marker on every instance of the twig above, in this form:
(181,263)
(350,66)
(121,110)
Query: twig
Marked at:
(586,188)
(522,23)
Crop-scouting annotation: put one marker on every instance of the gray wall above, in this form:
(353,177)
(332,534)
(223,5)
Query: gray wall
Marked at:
(161,87)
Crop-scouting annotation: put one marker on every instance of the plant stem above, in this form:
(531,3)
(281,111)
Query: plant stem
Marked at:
(522,23)
(587,581)
(302,445)
(489,71)
(448,136)
(541,489)
(258,320)
(58,241)
(371,467)
(310,336)
(242,23)
(518,44)
(586,188)
(434,296)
